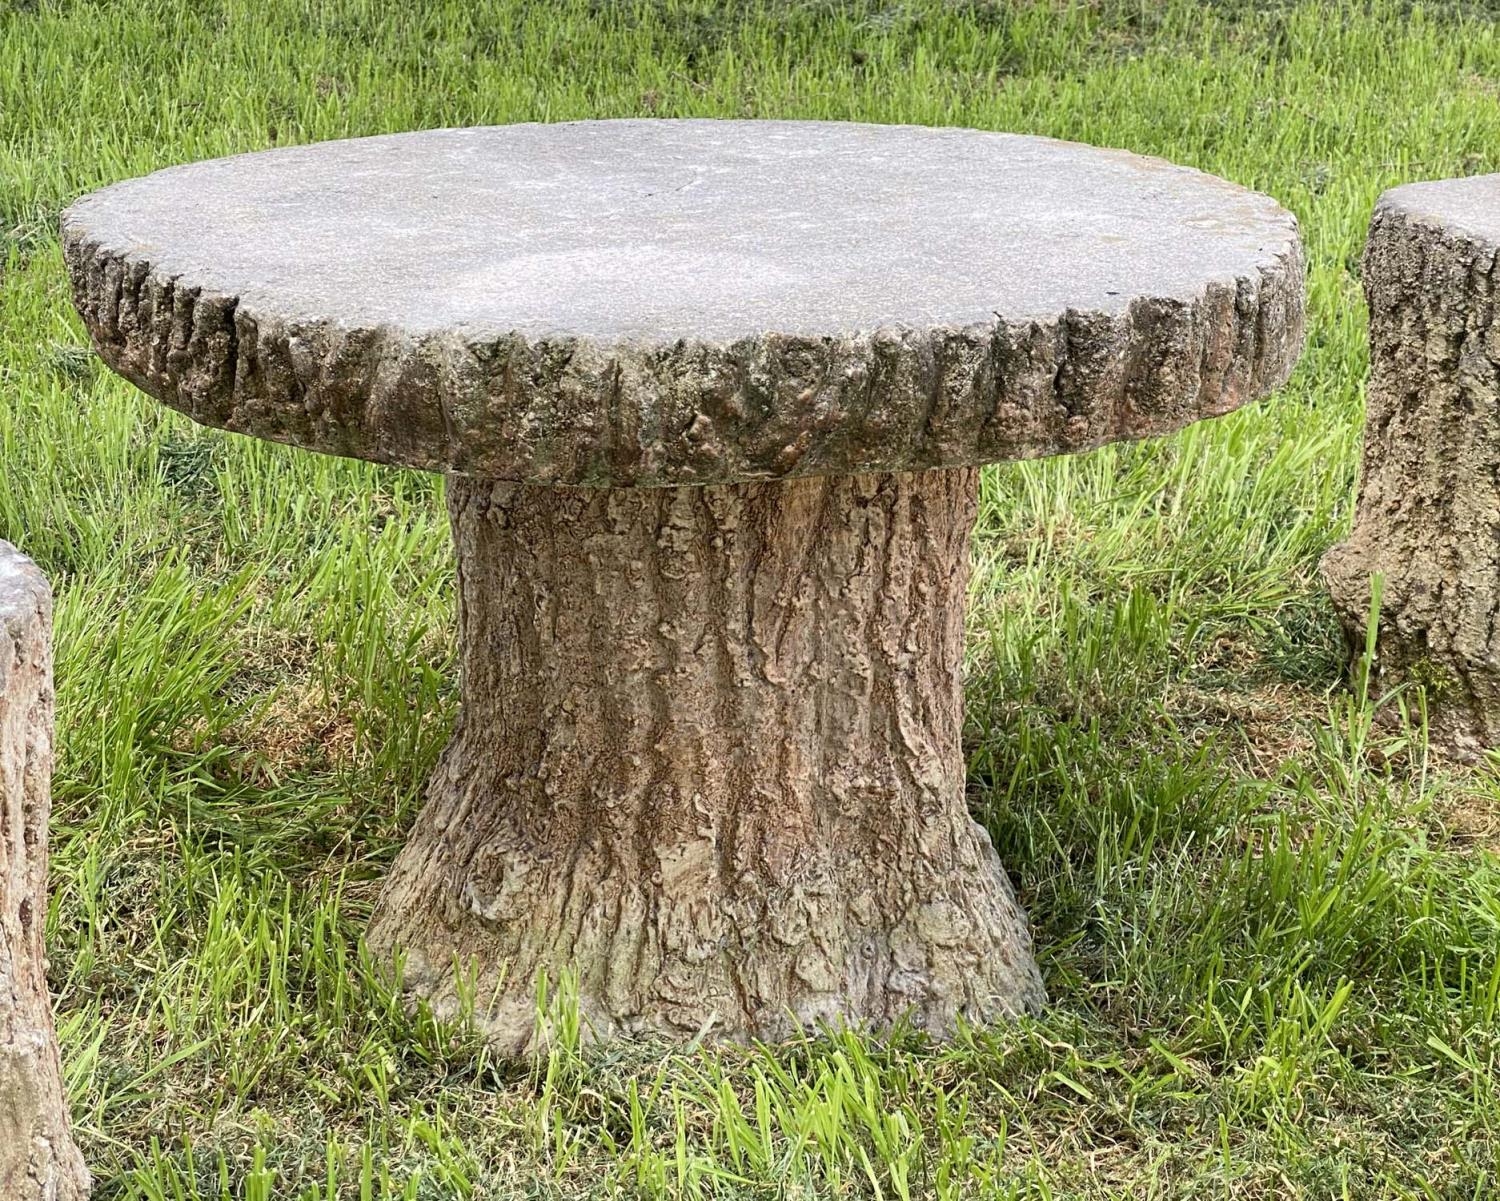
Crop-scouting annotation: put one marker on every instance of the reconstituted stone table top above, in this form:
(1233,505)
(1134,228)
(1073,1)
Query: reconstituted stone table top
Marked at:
(690,302)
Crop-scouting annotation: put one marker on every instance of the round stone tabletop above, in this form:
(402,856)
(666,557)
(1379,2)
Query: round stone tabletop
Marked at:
(652,302)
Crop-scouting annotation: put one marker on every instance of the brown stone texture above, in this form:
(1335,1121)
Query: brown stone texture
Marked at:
(709,757)
(38,1159)
(1428,512)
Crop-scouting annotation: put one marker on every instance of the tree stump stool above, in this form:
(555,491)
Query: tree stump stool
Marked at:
(710,396)
(38,1160)
(1428,514)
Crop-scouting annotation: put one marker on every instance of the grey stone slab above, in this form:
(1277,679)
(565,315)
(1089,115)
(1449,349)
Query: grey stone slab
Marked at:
(690,302)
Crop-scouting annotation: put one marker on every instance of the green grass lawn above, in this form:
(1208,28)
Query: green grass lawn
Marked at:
(1270,927)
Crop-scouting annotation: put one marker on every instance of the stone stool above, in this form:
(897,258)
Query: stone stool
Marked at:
(1428,515)
(38,1160)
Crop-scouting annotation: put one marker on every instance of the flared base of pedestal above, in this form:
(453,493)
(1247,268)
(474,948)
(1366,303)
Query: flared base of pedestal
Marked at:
(706,937)
(708,768)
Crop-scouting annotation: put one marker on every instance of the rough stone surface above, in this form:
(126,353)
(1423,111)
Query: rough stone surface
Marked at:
(1428,514)
(38,1160)
(690,302)
(709,759)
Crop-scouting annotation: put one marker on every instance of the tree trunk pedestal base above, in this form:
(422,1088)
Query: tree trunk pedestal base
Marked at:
(708,765)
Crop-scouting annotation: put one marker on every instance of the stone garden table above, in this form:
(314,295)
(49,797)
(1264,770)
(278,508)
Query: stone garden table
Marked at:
(709,396)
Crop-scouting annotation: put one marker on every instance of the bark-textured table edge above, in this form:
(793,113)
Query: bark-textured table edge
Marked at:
(38,1158)
(567,410)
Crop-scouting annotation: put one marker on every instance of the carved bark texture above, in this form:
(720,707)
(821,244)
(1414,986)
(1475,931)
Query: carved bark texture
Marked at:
(1428,514)
(38,1160)
(709,759)
(692,302)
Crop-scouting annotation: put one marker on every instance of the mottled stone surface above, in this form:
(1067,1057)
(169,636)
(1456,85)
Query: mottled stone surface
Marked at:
(38,1161)
(1428,515)
(710,760)
(690,302)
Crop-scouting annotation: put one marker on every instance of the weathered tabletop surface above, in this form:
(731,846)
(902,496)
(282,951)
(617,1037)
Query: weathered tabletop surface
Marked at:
(690,302)
(709,752)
